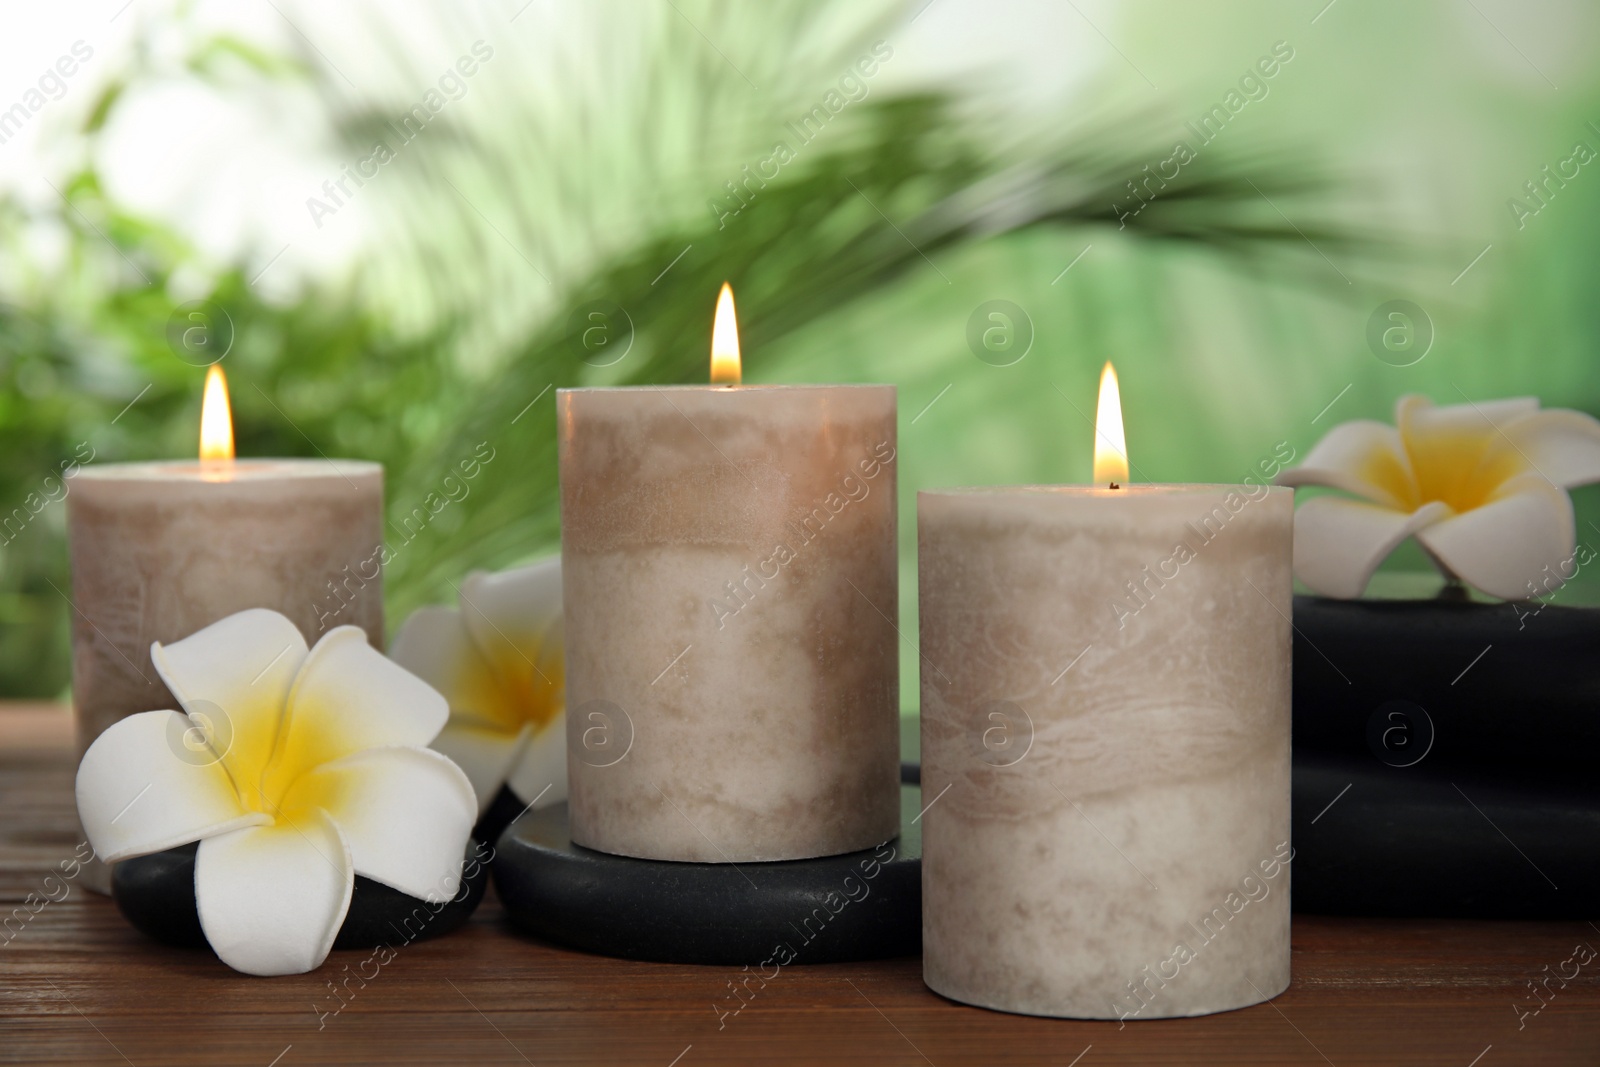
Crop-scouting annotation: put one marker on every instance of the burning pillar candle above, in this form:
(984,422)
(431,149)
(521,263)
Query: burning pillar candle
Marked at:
(1105,743)
(162,549)
(730,577)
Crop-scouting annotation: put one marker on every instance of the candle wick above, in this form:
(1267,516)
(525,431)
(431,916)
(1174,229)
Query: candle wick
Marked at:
(1114,485)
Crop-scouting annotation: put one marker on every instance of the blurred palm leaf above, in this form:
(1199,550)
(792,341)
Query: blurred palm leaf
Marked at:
(604,170)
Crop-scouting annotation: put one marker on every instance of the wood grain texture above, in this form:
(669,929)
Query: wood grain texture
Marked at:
(78,986)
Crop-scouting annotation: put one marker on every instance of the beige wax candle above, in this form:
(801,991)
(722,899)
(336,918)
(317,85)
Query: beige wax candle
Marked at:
(1105,745)
(729,568)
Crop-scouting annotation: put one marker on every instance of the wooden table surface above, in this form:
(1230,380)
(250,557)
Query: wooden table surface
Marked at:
(77,985)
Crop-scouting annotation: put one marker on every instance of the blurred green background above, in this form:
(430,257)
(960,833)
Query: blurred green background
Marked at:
(989,155)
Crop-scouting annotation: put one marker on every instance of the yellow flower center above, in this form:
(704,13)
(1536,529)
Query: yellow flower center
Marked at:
(1463,469)
(532,685)
(269,762)
(518,682)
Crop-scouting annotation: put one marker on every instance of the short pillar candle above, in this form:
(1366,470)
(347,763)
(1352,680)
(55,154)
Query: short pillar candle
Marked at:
(1105,744)
(730,576)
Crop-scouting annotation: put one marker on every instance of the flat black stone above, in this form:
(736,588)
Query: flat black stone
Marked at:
(1504,686)
(504,808)
(1413,842)
(857,906)
(1466,733)
(156,895)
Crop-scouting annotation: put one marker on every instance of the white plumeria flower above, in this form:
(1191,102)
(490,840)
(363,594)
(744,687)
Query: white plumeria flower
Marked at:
(296,770)
(498,661)
(1482,487)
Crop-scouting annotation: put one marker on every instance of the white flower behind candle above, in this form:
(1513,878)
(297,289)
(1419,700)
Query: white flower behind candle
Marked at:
(498,661)
(296,769)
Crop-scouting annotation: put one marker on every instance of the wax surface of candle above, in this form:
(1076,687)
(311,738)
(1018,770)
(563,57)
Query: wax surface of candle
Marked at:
(1105,739)
(162,549)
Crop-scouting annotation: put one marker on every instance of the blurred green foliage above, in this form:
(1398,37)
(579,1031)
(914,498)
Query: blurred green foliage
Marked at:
(1234,305)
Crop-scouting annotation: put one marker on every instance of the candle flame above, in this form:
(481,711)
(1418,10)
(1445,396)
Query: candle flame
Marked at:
(1110,446)
(725,367)
(216,419)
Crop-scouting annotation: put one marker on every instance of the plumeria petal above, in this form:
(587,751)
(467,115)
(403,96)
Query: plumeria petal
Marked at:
(1562,445)
(1361,457)
(1503,546)
(348,697)
(272,898)
(435,645)
(405,812)
(486,754)
(1417,416)
(142,788)
(522,602)
(1338,543)
(232,678)
(541,773)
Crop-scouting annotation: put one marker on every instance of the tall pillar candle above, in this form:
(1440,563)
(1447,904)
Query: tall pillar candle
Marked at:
(1105,743)
(730,577)
(160,550)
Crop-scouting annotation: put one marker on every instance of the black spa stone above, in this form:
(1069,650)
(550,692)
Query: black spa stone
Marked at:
(857,906)
(1375,840)
(1444,758)
(1507,686)
(156,895)
(505,807)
